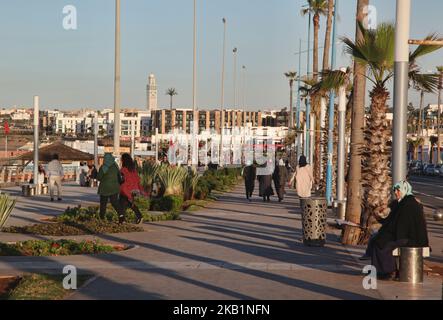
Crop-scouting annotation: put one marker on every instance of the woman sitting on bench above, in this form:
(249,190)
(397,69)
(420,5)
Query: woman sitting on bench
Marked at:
(406,227)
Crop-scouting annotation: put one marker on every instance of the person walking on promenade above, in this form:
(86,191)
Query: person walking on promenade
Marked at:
(303,177)
(55,176)
(92,175)
(130,188)
(83,174)
(249,174)
(405,228)
(109,188)
(280,177)
(41,175)
(265,183)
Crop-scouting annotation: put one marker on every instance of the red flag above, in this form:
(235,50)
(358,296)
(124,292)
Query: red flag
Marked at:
(7,129)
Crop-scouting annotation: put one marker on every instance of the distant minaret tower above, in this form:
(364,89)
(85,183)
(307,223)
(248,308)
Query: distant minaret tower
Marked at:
(152,93)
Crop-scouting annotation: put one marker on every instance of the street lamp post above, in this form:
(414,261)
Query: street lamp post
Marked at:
(331,114)
(133,127)
(117,81)
(244,87)
(399,150)
(341,152)
(36,139)
(222,104)
(308,102)
(195,116)
(95,139)
(299,140)
(235,52)
(440,87)
(194,72)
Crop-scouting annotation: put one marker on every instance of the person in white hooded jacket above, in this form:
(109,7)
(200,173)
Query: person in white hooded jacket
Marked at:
(304,178)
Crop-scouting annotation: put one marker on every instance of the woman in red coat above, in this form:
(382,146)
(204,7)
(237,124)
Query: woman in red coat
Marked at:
(130,187)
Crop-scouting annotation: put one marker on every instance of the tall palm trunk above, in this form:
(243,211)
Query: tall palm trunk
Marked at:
(316,30)
(171,103)
(316,103)
(328,35)
(355,192)
(326,66)
(377,177)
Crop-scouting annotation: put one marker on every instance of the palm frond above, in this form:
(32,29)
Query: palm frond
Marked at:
(332,80)
(6,206)
(423,50)
(423,81)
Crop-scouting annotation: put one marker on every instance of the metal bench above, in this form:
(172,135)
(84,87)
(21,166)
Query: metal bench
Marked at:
(411,263)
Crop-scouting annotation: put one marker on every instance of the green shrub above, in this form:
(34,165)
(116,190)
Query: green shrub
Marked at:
(6,206)
(44,248)
(167,204)
(74,228)
(144,204)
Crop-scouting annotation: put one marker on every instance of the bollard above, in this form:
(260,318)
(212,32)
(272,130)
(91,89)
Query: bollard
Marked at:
(411,265)
(314,221)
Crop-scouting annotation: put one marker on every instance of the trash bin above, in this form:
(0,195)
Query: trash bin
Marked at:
(411,265)
(314,221)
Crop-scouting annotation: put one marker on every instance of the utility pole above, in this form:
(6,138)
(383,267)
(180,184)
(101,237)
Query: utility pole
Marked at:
(117,82)
(399,150)
(329,172)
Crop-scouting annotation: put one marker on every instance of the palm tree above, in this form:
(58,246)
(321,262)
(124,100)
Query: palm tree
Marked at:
(333,81)
(354,195)
(415,145)
(376,52)
(316,8)
(440,87)
(328,35)
(432,141)
(291,75)
(171,92)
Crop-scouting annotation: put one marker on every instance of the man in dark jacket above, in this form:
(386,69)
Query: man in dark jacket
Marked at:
(405,228)
(280,177)
(249,174)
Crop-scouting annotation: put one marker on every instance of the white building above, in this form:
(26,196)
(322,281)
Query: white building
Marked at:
(130,120)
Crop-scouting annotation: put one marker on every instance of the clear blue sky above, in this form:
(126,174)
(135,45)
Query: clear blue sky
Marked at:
(74,69)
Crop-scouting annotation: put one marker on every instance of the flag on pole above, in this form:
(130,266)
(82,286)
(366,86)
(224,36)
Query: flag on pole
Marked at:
(7,129)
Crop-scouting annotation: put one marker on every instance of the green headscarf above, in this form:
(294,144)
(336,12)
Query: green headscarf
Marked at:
(108,162)
(404,187)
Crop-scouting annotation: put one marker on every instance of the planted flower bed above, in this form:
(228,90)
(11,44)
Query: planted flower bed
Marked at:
(74,228)
(36,287)
(45,248)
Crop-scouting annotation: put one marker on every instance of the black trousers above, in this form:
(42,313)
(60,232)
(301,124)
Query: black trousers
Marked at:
(125,203)
(115,204)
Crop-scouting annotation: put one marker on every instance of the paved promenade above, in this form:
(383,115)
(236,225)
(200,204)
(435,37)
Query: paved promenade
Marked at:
(232,250)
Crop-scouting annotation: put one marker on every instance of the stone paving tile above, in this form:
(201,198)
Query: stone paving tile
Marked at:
(231,250)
